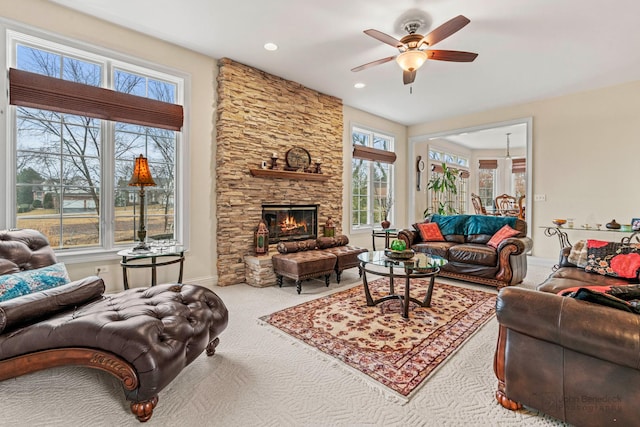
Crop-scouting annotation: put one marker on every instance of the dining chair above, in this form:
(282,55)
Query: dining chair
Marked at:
(507,205)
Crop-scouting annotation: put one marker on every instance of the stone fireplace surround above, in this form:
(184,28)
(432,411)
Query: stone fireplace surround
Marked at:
(259,114)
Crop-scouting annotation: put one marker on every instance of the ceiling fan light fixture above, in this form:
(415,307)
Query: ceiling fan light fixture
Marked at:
(411,60)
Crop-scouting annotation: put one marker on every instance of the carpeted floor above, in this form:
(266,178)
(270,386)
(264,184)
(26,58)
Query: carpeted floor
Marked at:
(397,353)
(258,378)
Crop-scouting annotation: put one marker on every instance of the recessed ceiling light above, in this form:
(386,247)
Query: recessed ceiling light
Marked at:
(271,46)
(359,85)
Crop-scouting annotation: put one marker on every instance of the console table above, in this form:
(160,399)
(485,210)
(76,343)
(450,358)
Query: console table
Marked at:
(563,237)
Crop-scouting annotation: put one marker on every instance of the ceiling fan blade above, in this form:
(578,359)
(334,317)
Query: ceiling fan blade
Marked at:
(384,38)
(451,55)
(445,30)
(408,76)
(372,63)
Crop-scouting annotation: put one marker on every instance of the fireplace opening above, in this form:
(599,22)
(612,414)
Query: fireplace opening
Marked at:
(291,222)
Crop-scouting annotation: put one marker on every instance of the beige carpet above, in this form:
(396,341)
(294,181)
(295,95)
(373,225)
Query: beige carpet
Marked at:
(257,378)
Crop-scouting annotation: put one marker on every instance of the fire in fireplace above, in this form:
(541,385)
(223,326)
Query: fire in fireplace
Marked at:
(290,222)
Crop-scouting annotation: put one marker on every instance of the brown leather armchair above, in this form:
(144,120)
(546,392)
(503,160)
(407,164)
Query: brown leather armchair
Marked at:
(574,360)
(143,336)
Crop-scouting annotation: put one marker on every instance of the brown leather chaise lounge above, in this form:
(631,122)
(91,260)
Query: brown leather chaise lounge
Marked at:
(142,336)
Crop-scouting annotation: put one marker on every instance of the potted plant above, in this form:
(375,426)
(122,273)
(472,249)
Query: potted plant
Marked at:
(443,185)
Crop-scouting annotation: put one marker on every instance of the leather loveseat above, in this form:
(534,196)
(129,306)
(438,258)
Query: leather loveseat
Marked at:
(574,360)
(470,257)
(142,336)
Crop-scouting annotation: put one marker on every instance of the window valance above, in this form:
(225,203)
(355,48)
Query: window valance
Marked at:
(519,165)
(34,90)
(488,164)
(373,154)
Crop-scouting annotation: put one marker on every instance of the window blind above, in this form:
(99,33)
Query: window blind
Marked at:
(33,90)
(488,164)
(373,154)
(519,165)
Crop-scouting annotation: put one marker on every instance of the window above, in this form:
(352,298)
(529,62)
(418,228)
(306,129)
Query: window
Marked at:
(487,177)
(71,171)
(449,201)
(371,188)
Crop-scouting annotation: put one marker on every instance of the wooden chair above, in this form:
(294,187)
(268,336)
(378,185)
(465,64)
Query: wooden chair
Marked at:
(521,207)
(507,205)
(477,205)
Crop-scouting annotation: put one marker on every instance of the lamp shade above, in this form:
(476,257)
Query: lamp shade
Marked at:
(411,60)
(141,173)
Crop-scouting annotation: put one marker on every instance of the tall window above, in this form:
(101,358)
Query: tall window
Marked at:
(487,177)
(372,184)
(71,171)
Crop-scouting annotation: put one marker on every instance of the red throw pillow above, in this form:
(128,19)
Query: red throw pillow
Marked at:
(430,232)
(504,233)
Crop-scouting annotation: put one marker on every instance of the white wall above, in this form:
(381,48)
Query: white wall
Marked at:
(200,263)
(585,151)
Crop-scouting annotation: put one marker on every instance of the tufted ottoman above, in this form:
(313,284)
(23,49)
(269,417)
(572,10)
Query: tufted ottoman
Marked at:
(299,266)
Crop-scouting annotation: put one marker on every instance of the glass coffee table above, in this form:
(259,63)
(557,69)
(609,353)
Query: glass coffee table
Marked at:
(419,266)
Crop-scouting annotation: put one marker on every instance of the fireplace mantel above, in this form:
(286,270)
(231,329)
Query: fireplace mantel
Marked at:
(275,174)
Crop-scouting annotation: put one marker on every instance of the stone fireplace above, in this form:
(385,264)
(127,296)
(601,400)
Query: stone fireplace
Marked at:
(259,114)
(290,222)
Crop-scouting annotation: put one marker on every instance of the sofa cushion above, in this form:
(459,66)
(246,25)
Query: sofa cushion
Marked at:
(502,234)
(430,232)
(434,248)
(35,306)
(613,259)
(470,253)
(29,281)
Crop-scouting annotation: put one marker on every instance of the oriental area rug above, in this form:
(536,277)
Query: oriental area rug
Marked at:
(397,353)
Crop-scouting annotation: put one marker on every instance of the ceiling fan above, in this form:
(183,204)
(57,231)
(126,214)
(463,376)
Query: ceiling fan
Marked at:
(414,48)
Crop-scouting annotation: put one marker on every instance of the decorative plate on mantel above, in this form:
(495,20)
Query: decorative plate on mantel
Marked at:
(298,158)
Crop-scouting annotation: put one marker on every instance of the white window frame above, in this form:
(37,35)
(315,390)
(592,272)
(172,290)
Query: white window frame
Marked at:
(371,224)
(11,34)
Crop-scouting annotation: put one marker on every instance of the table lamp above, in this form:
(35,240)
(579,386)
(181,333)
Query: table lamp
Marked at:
(141,178)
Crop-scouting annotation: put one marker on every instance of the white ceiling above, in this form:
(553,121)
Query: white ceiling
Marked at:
(528,49)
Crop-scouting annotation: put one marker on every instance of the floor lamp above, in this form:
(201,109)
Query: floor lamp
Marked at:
(141,178)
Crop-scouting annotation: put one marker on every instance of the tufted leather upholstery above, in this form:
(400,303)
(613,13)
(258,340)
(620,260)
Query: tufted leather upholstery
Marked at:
(157,330)
(24,250)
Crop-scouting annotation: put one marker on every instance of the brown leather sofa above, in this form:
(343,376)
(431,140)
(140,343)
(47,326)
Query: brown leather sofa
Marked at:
(574,360)
(300,260)
(466,249)
(143,336)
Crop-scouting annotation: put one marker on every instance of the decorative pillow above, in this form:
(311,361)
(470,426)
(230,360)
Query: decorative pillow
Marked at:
(29,281)
(578,254)
(504,233)
(296,246)
(613,259)
(430,232)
